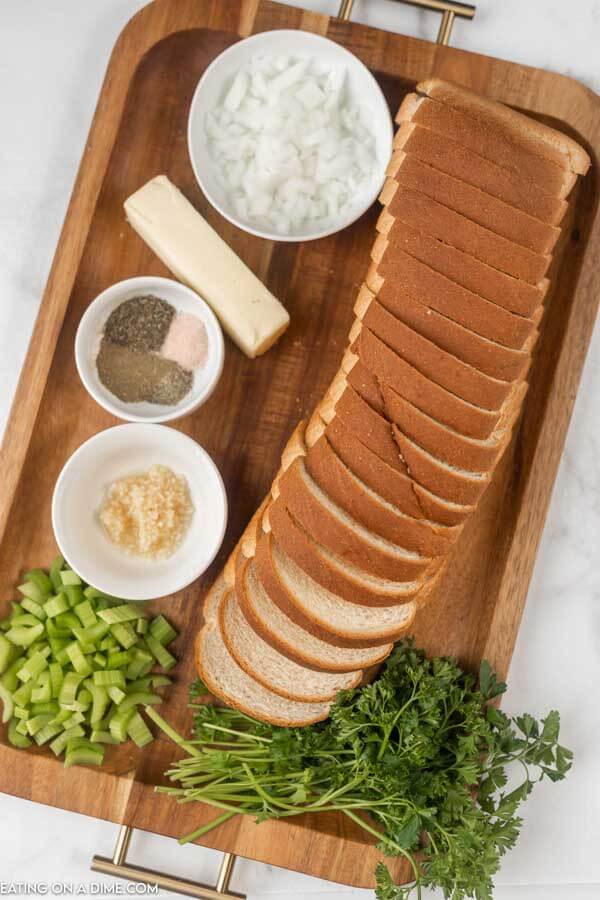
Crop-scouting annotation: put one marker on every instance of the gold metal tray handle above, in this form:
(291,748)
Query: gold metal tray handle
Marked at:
(447,8)
(118,867)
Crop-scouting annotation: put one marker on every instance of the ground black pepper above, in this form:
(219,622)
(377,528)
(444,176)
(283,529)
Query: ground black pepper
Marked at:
(140,323)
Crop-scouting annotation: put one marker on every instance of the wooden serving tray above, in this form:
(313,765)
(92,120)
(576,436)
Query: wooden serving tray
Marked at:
(138,132)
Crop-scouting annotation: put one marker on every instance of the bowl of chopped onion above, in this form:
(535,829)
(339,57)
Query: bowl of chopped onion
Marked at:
(289,136)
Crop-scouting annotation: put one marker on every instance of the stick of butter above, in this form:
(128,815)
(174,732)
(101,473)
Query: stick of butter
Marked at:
(194,252)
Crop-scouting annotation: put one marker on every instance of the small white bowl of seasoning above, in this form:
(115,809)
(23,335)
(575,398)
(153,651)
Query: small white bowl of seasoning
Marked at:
(149,349)
(139,511)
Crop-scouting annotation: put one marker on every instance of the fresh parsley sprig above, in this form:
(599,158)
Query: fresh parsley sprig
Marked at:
(419,759)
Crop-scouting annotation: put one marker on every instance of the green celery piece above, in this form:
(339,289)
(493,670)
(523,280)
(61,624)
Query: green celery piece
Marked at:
(36,723)
(140,684)
(162,630)
(16,739)
(75,718)
(21,727)
(24,636)
(114,677)
(103,737)
(74,594)
(22,696)
(8,652)
(68,576)
(119,660)
(24,618)
(165,659)
(62,716)
(116,694)
(56,679)
(138,731)
(84,697)
(83,756)
(20,712)
(141,626)
(34,608)
(85,613)
(32,591)
(41,709)
(125,634)
(100,660)
(59,743)
(118,724)
(55,606)
(36,664)
(42,691)
(159,681)
(69,689)
(46,733)
(93,634)
(140,699)
(141,663)
(53,631)
(37,647)
(100,700)
(93,593)
(62,657)
(8,704)
(54,573)
(78,660)
(127,612)
(68,620)
(39,578)
(10,679)
(57,644)
(109,644)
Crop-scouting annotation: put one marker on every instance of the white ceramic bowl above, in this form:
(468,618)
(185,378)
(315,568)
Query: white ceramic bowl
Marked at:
(363,91)
(79,492)
(87,342)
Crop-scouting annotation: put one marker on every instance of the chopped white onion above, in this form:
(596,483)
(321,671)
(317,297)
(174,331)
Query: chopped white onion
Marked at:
(291,151)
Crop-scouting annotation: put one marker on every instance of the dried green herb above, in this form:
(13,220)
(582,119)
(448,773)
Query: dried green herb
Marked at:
(140,323)
(135,377)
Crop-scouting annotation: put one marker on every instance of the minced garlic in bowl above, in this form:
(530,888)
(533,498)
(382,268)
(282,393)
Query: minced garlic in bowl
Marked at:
(148,514)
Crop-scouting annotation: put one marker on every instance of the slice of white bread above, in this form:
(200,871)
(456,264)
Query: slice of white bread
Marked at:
(278,572)
(507,125)
(493,144)
(451,157)
(491,358)
(228,682)
(489,212)
(512,294)
(271,668)
(452,228)
(401,271)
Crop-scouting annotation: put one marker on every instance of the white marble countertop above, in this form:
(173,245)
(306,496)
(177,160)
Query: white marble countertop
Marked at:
(52,60)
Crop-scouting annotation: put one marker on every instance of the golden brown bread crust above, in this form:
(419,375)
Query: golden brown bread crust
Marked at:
(450,227)
(451,157)
(489,212)
(510,293)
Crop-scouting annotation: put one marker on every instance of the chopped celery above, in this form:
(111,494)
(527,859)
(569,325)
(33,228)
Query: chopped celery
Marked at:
(32,591)
(128,612)
(23,619)
(22,696)
(74,594)
(108,644)
(61,656)
(20,712)
(56,679)
(125,634)
(159,681)
(160,653)
(8,704)
(55,573)
(68,691)
(59,743)
(16,739)
(57,645)
(46,733)
(40,709)
(78,660)
(83,756)
(140,684)
(53,631)
(93,593)
(62,716)
(93,634)
(100,660)
(107,678)
(116,694)
(67,576)
(119,722)
(22,727)
(42,692)
(85,614)
(100,700)
(141,626)
(103,737)
(36,723)
(56,606)
(34,608)
(119,660)
(162,630)
(138,731)
(141,663)
(75,718)
(36,664)
(140,699)
(24,636)
(68,620)
(40,579)
(10,678)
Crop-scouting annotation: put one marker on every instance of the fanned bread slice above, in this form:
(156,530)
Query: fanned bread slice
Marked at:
(330,570)
(452,228)
(294,635)
(492,144)
(371,509)
(451,157)
(507,125)
(469,201)
(382,478)
(512,294)
(432,398)
(271,668)
(493,359)
(332,527)
(228,682)
(401,271)
(437,365)
(286,582)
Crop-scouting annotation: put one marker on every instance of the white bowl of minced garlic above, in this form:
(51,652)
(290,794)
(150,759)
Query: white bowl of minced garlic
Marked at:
(139,511)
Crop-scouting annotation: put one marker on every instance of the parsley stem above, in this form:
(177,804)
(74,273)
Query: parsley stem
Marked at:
(387,840)
(204,829)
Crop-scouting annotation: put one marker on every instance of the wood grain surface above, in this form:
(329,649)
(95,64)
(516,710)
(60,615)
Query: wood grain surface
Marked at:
(138,132)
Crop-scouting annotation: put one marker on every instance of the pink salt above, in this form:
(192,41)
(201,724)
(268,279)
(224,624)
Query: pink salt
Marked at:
(186,342)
